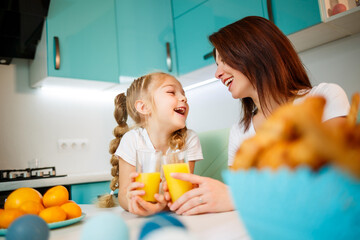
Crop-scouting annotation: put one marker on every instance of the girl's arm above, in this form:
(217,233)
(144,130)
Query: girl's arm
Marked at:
(124,182)
(192,166)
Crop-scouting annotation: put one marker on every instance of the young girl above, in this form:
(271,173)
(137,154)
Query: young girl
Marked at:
(157,104)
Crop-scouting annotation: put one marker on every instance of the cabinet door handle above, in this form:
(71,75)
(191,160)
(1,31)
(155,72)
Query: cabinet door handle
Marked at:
(208,55)
(56,53)
(168,57)
(269,9)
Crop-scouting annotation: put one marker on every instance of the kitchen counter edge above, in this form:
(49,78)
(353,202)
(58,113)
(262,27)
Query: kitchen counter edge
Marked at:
(65,180)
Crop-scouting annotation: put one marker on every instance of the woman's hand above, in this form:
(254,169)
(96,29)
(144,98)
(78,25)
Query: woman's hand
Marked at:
(210,196)
(139,206)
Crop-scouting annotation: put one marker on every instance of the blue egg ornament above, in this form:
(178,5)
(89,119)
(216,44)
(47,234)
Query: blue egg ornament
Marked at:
(164,226)
(29,227)
(109,226)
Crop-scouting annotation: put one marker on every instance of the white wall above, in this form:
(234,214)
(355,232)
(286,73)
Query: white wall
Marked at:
(337,62)
(31,122)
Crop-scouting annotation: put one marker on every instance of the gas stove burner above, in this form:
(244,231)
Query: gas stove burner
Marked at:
(28,174)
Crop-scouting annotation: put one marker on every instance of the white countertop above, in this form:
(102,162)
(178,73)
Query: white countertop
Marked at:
(212,226)
(45,182)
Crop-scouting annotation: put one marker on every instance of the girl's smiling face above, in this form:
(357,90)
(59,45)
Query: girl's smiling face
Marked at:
(170,103)
(236,82)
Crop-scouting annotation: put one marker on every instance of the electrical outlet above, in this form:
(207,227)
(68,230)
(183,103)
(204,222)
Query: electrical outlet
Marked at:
(63,144)
(71,144)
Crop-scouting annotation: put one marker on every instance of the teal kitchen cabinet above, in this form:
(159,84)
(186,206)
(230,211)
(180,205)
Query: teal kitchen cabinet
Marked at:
(182,6)
(293,16)
(193,28)
(79,42)
(87,193)
(145,38)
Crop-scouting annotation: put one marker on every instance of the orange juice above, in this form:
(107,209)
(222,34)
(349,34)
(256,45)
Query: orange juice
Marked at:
(151,181)
(176,187)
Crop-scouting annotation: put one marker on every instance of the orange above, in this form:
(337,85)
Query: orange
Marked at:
(7,216)
(21,195)
(56,196)
(53,214)
(72,210)
(31,207)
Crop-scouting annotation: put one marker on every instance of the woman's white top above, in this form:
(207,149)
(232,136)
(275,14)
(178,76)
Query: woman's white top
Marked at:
(337,105)
(138,138)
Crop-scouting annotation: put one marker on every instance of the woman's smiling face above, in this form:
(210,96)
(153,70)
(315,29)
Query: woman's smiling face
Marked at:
(236,82)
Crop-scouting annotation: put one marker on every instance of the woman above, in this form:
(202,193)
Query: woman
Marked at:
(259,66)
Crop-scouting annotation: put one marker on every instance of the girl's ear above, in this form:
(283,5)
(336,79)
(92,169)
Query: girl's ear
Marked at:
(142,107)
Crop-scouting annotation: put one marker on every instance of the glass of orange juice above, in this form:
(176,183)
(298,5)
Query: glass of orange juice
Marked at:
(176,162)
(148,165)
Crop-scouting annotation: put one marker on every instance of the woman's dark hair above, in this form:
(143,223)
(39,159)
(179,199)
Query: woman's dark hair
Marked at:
(259,50)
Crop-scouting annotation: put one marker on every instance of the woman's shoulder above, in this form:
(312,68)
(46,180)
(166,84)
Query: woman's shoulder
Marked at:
(326,89)
(337,103)
(330,91)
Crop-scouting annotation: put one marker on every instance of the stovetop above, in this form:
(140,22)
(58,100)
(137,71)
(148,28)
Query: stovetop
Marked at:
(28,174)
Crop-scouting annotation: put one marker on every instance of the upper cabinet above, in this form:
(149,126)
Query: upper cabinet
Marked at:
(102,43)
(145,38)
(79,42)
(193,27)
(295,15)
(182,6)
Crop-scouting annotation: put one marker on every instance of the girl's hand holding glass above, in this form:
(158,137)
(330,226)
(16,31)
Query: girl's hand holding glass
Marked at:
(136,204)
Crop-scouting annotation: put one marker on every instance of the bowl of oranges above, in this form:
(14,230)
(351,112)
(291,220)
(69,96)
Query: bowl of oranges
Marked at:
(54,207)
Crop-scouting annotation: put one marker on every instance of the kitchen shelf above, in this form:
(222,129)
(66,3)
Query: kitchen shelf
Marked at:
(328,5)
(332,28)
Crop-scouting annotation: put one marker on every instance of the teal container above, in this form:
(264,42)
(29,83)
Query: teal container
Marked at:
(299,204)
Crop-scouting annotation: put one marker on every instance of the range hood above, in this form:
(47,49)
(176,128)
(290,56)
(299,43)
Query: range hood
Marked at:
(21,24)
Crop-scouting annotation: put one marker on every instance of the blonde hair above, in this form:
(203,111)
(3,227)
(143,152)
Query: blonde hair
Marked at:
(141,88)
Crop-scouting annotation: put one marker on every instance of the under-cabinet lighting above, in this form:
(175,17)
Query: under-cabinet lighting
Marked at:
(196,85)
(71,93)
(91,94)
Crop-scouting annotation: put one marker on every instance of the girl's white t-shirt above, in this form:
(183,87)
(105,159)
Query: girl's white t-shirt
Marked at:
(138,138)
(337,105)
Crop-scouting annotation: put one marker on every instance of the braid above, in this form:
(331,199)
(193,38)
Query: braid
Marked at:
(120,114)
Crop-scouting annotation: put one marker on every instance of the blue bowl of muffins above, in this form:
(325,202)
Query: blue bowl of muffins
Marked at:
(297,204)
